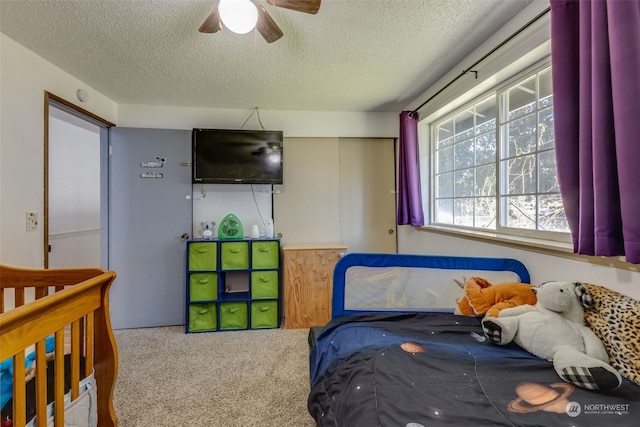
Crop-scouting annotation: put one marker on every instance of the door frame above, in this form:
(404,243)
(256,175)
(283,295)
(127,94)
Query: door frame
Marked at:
(81,113)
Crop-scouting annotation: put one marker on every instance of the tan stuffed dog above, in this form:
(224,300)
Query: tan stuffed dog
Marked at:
(482,298)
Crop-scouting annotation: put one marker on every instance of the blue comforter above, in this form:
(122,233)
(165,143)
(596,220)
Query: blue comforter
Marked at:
(432,369)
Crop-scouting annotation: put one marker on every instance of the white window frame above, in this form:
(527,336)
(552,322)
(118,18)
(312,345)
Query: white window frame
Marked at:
(501,228)
(433,159)
(428,165)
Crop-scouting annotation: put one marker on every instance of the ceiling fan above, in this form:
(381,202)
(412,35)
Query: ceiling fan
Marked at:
(265,25)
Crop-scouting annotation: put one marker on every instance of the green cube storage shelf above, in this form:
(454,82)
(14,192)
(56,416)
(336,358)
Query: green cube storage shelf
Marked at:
(265,254)
(234,255)
(202,317)
(264,284)
(232,284)
(203,286)
(202,256)
(264,314)
(233,315)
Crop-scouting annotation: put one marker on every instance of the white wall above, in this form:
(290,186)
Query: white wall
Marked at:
(24,77)
(250,203)
(542,267)
(292,123)
(74,191)
(74,177)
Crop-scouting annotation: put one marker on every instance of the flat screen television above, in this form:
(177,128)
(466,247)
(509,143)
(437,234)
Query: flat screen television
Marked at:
(223,156)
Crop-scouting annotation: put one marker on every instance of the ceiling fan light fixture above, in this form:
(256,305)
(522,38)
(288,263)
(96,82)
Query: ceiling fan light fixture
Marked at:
(239,16)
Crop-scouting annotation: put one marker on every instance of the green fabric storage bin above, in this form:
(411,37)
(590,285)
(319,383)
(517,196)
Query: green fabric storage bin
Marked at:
(264,314)
(203,256)
(202,317)
(264,284)
(233,315)
(203,286)
(234,255)
(264,254)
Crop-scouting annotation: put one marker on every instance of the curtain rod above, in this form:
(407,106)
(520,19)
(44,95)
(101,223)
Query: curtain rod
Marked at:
(468,70)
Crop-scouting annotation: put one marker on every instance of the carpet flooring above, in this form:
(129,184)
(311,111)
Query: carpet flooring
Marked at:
(226,379)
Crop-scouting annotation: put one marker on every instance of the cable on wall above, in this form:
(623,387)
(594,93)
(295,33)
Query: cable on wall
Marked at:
(257,113)
(253,193)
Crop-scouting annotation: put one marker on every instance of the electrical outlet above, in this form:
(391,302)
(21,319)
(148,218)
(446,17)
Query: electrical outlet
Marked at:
(32,221)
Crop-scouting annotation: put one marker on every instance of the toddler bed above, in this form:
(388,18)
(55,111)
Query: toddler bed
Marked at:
(58,352)
(395,354)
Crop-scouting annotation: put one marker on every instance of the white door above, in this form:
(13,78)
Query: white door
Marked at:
(368,195)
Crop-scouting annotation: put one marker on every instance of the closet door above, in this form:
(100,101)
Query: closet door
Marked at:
(149,211)
(338,190)
(307,205)
(368,194)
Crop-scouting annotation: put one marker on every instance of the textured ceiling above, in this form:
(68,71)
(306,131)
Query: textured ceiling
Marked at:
(354,55)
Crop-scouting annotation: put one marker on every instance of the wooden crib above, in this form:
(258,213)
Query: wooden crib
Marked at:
(71,307)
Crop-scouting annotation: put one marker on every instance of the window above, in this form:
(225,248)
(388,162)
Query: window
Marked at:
(494,162)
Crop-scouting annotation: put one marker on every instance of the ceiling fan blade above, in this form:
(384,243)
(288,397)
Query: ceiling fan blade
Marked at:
(212,23)
(306,6)
(267,26)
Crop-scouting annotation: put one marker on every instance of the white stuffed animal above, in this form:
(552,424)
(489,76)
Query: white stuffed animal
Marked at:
(554,329)
(207,229)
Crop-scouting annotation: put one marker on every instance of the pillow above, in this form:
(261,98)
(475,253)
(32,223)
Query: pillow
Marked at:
(615,319)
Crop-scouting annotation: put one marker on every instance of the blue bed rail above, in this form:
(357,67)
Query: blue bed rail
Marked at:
(415,261)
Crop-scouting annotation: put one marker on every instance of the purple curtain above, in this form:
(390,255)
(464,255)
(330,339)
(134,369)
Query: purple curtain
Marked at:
(595,48)
(409,196)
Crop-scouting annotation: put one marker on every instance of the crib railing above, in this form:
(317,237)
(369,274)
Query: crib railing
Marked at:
(70,306)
